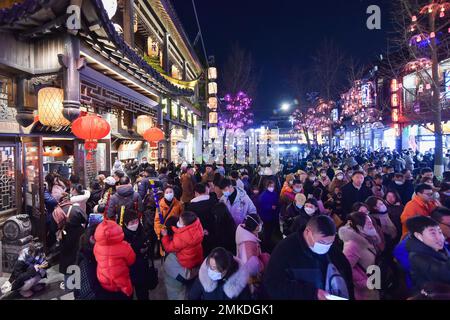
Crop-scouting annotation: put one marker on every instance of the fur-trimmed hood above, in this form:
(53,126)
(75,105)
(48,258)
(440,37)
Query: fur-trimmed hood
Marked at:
(203,197)
(243,235)
(233,286)
(347,233)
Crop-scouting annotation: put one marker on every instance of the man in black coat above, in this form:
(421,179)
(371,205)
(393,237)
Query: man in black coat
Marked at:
(202,205)
(429,260)
(306,264)
(354,191)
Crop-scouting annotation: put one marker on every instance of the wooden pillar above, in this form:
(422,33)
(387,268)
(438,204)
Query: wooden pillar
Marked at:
(128,22)
(165,52)
(71,63)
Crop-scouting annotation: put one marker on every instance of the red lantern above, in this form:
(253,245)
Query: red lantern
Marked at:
(154,135)
(90,128)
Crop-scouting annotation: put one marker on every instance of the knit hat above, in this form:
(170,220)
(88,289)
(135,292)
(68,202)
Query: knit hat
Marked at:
(300,198)
(110,181)
(338,172)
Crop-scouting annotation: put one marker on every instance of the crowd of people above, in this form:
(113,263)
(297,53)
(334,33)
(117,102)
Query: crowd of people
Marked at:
(351,224)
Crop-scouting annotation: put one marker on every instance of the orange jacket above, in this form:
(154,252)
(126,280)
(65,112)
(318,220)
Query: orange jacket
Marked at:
(177,209)
(415,207)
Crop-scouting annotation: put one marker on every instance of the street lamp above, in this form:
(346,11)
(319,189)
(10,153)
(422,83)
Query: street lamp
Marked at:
(285,106)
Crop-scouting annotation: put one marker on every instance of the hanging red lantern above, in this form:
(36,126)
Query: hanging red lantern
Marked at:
(153,135)
(90,128)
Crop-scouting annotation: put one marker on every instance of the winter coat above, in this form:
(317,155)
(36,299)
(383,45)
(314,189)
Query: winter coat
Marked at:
(81,199)
(57,191)
(415,207)
(132,173)
(247,246)
(241,207)
(361,253)
(74,228)
(93,200)
(401,254)
(351,195)
(385,223)
(144,186)
(186,242)
(124,196)
(167,212)
(140,270)
(222,232)
(335,183)
(90,286)
(427,265)
(395,211)
(405,190)
(295,272)
(187,185)
(202,206)
(300,221)
(114,257)
(287,219)
(50,204)
(234,288)
(266,201)
(409,163)
(164,179)
(208,177)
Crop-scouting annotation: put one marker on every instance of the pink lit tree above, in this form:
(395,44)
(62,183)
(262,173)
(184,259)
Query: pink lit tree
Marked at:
(237,114)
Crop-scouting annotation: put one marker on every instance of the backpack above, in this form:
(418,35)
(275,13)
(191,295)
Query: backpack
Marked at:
(59,216)
(125,204)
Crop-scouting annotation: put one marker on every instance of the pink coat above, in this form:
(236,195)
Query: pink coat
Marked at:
(361,254)
(247,244)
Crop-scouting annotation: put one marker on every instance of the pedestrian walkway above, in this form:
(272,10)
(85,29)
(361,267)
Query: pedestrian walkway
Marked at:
(53,291)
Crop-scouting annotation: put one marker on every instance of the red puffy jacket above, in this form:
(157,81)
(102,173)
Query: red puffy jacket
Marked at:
(187,244)
(114,257)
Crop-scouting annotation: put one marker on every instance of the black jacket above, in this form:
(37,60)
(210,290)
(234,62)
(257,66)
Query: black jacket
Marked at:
(140,270)
(93,200)
(70,241)
(405,190)
(351,195)
(295,272)
(427,265)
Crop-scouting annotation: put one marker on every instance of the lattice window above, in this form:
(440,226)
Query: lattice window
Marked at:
(7,179)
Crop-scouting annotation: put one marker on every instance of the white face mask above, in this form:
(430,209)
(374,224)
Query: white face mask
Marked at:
(133,227)
(320,248)
(340,177)
(180,224)
(297,190)
(214,275)
(309,211)
(168,196)
(271,189)
(399,183)
(382,209)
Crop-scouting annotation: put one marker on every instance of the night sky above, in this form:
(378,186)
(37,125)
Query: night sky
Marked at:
(282,33)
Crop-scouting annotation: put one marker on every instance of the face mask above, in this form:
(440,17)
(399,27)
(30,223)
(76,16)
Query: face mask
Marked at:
(399,183)
(168,196)
(382,209)
(290,183)
(271,189)
(339,177)
(436,196)
(133,227)
(323,175)
(320,248)
(227,194)
(299,205)
(214,275)
(144,162)
(312,178)
(180,224)
(447,194)
(297,190)
(310,211)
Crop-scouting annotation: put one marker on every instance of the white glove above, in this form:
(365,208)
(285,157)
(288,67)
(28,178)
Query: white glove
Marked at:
(6,287)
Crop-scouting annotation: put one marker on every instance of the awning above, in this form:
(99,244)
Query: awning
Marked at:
(122,136)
